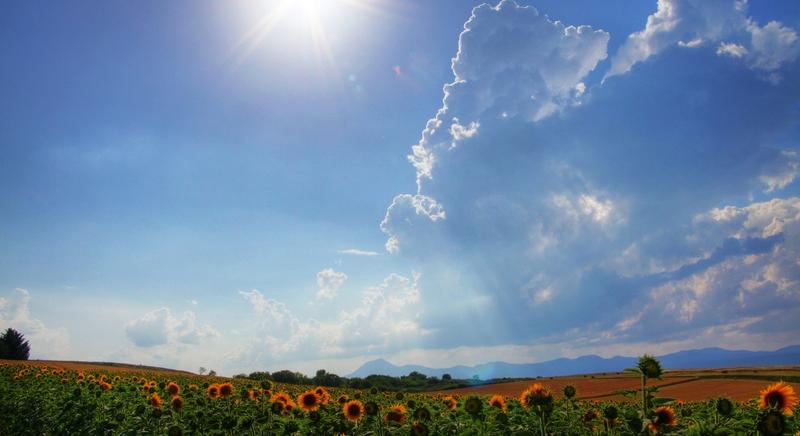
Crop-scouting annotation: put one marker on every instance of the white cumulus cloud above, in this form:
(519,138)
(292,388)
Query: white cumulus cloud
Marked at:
(329,282)
(46,342)
(767,48)
(161,327)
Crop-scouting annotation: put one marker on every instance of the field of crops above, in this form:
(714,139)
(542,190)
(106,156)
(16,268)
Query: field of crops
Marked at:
(56,400)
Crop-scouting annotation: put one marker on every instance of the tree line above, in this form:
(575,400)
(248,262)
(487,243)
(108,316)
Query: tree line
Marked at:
(414,381)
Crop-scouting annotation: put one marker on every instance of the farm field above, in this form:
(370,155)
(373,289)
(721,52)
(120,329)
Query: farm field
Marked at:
(40,397)
(686,385)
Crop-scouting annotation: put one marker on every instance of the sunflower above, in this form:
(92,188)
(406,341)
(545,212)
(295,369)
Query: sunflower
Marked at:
(422,414)
(213,391)
(473,405)
(450,402)
(535,395)
(570,391)
(281,397)
(176,403)
(342,399)
(772,424)
(396,415)
(173,388)
(277,407)
(106,386)
(309,401)
(353,410)
(649,366)
(724,406)
(662,417)
(779,396)
(419,429)
(324,395)
(590,415)
(498,401)
(371,408)
(156,401)
(225,390)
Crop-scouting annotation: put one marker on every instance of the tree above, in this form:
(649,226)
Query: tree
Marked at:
(446,377)
(201,371)
(14,346)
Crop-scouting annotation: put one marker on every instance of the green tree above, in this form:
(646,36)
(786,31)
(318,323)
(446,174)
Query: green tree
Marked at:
(14,346)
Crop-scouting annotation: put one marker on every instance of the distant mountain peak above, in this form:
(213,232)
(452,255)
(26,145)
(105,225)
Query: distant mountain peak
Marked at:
(713,357)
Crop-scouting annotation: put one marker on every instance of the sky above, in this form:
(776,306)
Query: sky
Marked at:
(269,184)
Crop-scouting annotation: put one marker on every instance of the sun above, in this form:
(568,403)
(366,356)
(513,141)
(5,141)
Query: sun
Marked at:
(294,22)
(306,26)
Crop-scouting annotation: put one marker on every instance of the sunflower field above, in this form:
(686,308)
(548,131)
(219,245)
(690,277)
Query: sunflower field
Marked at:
(42,400)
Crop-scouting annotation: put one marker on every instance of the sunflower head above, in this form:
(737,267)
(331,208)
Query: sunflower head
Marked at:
(342,399)
(610,413)
(498,401)
(450,402)
(779,396)
(395,415)
(724,406)
(324,395)
(225,390)
(156,401)
(213,391)
(371,408)
(650,366)
(309,401)
(473,405)
(173,388)
(353,410)
(662,417)
(277,407)
(570,391)
(536,395)
(773,423)
(176,403)
(419,429)
(422,414)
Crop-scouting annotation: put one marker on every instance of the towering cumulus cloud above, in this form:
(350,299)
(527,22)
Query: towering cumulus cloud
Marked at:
(551,206)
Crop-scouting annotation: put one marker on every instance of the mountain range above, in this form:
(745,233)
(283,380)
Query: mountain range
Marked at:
(701,358)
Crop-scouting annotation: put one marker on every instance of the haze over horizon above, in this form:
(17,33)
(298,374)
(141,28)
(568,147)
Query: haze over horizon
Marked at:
(272,184)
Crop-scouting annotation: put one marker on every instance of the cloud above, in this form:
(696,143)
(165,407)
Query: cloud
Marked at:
(359,252)
(783,174)
(385,319)
(570,211)
(45,342)
(745,286)
(765,48)
(161,327)
(329,282)
(731,49)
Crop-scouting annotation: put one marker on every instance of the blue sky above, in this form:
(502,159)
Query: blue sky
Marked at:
(272,184)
